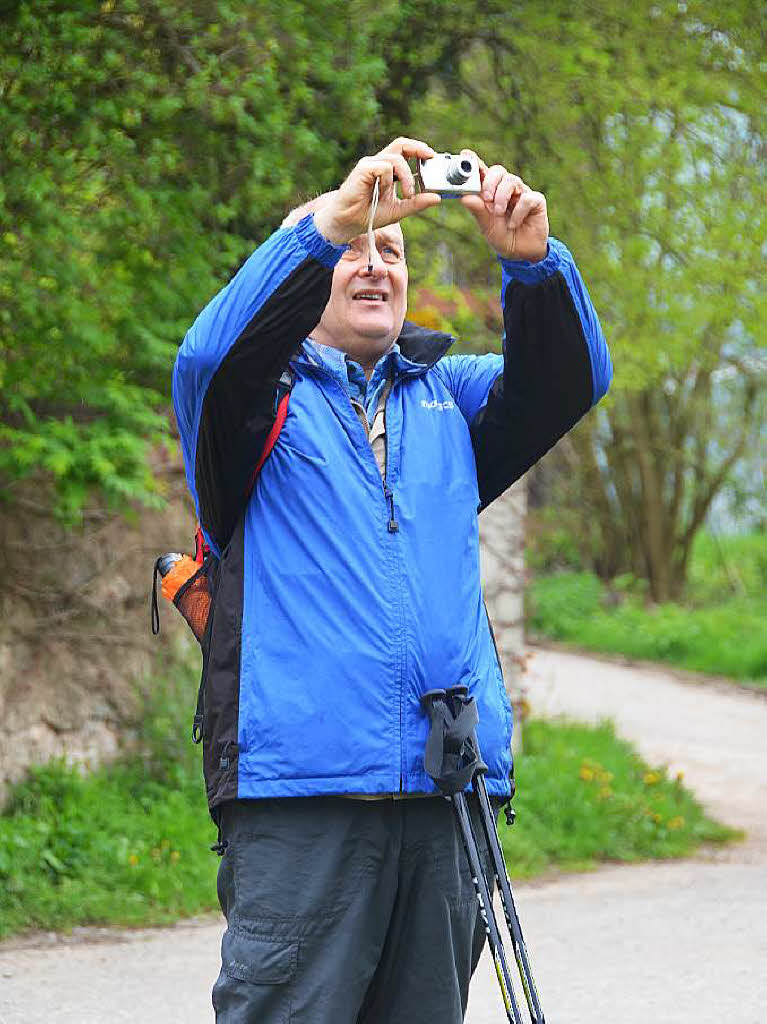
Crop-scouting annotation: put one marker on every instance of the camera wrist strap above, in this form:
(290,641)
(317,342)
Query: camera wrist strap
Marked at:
(371,218)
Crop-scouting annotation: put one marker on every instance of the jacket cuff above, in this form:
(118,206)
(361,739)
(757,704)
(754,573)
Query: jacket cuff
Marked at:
(533,273)
(315,245)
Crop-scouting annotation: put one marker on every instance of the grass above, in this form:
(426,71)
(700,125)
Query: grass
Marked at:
(129,844)
(113,848)
(584,797)
(719,630)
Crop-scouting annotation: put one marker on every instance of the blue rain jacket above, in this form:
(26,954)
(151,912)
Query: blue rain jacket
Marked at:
(339,598)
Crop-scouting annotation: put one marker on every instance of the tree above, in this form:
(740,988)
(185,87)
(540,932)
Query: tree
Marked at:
(643,126)
(146,146)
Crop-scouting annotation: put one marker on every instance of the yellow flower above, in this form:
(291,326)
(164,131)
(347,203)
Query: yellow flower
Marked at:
(651,778)
(680,777)
(175,856)
(133,860)
(657,819)
(676,822)
(586,773)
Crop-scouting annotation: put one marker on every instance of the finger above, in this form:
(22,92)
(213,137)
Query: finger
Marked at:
(475,205)
(480,162)
(509,185)
(397,165)
(373,167)
(528,203)
(416,204)
(403,173)
(409,147)
(492,179)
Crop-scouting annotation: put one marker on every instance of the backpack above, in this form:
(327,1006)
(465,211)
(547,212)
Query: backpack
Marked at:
(188,580)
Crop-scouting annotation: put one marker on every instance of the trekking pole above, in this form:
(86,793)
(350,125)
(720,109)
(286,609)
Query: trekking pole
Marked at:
(458,696)
(451,762)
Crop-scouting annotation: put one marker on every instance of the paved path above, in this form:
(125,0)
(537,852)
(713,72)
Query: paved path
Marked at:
(668,943)
(676,942)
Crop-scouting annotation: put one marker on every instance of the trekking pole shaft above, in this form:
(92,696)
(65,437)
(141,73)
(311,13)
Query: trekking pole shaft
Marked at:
(486,910)
(507,900)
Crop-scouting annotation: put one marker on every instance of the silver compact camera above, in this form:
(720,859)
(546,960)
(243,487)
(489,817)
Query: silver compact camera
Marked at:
(450,175)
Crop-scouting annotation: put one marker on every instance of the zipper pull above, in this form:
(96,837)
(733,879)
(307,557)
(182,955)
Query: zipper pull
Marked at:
(392,525)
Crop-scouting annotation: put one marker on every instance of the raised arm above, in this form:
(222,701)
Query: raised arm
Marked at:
(229,364)
(231,360)
(555,364)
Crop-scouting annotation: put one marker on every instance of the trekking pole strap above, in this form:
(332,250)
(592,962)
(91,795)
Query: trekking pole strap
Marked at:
(451,757)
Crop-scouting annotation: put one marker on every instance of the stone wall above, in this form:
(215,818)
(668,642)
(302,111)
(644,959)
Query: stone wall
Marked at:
(75,641)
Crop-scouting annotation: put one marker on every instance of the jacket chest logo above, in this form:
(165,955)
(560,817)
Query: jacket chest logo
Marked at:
(435,404)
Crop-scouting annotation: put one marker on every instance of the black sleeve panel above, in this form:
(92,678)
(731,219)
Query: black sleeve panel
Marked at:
(545,388)
(238,408)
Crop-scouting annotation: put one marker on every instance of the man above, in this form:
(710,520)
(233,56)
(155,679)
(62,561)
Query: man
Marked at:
(348,585)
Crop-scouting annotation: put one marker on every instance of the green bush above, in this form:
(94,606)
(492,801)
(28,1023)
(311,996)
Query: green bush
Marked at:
(552,543)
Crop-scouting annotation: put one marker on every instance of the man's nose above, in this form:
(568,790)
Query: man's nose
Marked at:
(373,263)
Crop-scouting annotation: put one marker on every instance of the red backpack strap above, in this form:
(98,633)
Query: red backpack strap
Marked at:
(281,398)
(284,386)
(201,549)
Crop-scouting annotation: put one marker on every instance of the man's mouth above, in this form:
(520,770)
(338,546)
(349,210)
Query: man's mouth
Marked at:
(368,296)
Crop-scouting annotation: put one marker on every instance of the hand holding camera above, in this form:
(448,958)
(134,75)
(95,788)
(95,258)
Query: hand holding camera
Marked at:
(345,215)
(511,216)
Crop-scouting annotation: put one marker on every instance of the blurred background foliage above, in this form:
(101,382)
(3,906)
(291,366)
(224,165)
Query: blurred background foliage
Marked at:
(643,126)
(147,147)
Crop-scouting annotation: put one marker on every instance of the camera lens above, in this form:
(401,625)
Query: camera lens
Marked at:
(458,170)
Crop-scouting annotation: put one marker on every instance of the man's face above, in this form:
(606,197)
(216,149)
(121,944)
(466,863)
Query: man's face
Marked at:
(366,309)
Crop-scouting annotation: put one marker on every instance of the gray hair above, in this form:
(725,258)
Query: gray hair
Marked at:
(299,212)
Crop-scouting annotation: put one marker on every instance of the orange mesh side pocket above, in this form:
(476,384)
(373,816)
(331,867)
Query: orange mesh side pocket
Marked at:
(182,571)
(192,596)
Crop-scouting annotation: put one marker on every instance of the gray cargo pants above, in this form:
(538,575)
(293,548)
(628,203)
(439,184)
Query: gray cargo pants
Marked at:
(346,912)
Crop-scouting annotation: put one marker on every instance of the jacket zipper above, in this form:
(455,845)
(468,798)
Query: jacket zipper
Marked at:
(393,527)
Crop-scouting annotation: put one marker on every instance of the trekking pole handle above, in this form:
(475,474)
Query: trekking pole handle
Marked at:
(428,698)
(456,697)
(459,691)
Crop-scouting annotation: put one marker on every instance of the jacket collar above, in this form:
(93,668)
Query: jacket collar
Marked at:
(422,345)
